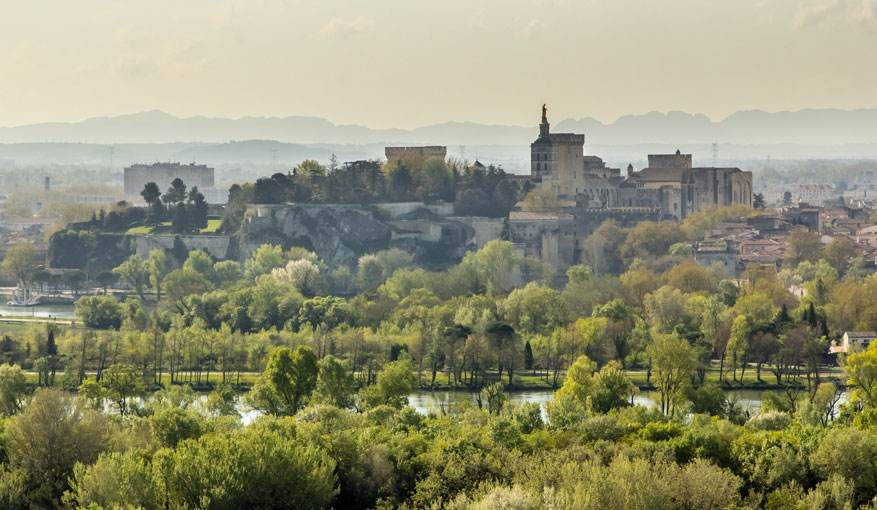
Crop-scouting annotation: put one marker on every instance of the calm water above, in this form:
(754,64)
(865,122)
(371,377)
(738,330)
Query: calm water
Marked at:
(42,311)
(425,401)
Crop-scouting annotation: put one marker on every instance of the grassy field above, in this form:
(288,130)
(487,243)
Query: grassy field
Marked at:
(165,227)
(212,225)
(150,229)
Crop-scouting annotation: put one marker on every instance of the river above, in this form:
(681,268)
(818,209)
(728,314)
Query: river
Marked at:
(426,401)
(40,311)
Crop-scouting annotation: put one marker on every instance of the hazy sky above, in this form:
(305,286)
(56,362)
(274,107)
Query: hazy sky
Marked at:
(405,63)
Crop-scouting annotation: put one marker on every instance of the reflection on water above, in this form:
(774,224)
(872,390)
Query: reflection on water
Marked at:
(41,311)
(426,401)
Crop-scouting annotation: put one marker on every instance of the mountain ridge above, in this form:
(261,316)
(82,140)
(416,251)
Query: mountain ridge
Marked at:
(806,126)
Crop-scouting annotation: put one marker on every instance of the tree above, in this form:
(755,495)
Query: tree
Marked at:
(157,270)
(614,389)
(265,259)
(528,356)
(495,396)
(303,274)
(758,200)
(673,362)
(787,198)
(369,274)
(649,239)
(48,438)
(802,245)
(106,279)
(197,211)
(498,264)
(171,425)
(150,193)
(689,277)
(665,309)
(334,383)
(74,280)
(41,277)
(838,253)
(20,262)
(181,283)
(201,263)
(287,382)
(100,312)
(135,273)
(122,383)
(579,383)
(738,343)
(861,368)
(13,389)
(222,400)
(395,382)
(180,222)
(542,199)
(176,193)
(600,249)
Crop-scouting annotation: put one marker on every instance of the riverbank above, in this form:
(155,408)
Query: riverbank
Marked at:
(537,380)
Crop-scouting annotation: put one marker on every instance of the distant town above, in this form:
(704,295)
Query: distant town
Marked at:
(549,213)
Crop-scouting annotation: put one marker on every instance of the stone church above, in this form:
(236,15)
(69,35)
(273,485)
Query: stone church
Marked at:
(669,186)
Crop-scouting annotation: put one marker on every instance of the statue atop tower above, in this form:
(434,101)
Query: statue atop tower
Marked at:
(544,127)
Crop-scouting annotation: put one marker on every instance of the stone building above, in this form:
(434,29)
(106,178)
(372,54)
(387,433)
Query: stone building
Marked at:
(162,174)
(425,152)
(669,184)
(557,160)
(670,188)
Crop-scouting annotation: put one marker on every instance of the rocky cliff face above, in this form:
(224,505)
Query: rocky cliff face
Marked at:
(338,234)
(341,234)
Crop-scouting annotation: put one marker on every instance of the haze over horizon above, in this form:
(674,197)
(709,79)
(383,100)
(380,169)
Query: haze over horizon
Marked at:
(391,64)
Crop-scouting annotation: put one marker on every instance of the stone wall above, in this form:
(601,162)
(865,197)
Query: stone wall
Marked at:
(341,234)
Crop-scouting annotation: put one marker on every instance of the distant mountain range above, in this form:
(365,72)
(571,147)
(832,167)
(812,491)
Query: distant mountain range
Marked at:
(754,127)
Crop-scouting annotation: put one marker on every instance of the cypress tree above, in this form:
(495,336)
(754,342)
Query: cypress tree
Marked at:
(528,356)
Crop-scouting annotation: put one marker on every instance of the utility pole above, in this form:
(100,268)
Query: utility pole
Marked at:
(715,153)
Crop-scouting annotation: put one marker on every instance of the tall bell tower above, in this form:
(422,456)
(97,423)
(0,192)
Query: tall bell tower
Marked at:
(545,126)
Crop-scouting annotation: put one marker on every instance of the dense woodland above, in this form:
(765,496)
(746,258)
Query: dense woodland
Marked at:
(329,357)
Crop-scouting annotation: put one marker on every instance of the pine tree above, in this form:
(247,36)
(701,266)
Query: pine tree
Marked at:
(52,354)
(180,223)
(197,209)
(811,316)
(528,356)
(784,315)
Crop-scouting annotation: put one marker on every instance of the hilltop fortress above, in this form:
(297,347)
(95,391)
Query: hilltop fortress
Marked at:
(438,234)
(670,188)
(670,184)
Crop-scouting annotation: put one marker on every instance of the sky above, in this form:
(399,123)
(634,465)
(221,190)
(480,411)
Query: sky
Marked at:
(409,63)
